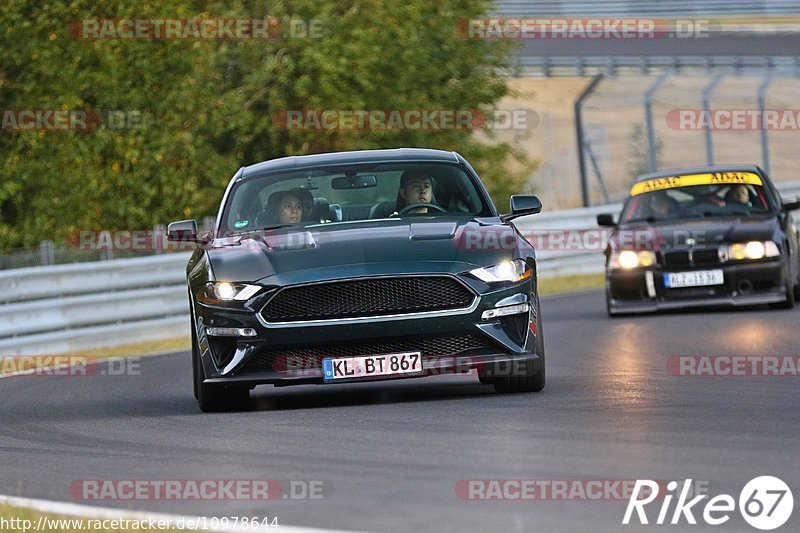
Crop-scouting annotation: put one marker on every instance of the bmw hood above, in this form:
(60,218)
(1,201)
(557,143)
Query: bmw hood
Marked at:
(699,232)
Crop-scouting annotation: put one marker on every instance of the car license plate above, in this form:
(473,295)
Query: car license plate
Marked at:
(698,278)
(395,364)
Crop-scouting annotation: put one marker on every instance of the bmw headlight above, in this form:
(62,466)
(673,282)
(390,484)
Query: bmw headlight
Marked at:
(629,259)
(752,250)
(225,291)
(507,271)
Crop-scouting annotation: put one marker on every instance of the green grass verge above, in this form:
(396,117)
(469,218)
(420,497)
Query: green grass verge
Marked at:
(21,519)
(565,284)
(141,348)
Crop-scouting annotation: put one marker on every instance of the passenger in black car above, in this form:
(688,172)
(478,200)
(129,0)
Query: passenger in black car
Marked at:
(287,207)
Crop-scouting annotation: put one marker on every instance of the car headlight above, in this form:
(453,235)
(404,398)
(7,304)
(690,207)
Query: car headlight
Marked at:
(629,259)
(742,251)
(507,271)
(224,291)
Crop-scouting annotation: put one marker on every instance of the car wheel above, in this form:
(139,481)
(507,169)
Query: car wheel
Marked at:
(214,398)
(527,376)
(195,364)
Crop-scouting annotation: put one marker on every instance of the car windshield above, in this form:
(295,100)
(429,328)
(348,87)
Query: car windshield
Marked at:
(352,193)
(697,201)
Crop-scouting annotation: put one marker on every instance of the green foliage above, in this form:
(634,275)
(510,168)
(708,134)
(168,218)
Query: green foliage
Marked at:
(208,107)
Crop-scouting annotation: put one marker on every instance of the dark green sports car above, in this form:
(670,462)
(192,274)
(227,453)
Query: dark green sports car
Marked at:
(357,266)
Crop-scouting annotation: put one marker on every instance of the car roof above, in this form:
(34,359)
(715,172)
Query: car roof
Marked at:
(354,157)
(701,170)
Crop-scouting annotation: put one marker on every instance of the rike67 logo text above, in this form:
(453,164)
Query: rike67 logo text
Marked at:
(765,503)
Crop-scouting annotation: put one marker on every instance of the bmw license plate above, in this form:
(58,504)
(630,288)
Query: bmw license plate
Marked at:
(395,364)
(699,278)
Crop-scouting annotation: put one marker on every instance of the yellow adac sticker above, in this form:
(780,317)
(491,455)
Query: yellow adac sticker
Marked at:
(717,178)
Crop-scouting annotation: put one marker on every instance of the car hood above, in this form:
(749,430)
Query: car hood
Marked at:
(704,232)
(329,251)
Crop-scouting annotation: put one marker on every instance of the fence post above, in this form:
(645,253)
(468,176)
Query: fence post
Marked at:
(762,107)
(706,109)
(159,238)
(47,255)
(580,136)
(652,149)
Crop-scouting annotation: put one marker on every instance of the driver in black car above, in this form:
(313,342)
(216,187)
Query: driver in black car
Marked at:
(416,187)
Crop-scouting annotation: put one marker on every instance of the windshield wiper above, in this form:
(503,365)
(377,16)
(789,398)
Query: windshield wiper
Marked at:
(651,219)
(275,226)
(707,214)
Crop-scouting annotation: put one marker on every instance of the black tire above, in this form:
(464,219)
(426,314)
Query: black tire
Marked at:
(214,398)
(526,376)
(195,364)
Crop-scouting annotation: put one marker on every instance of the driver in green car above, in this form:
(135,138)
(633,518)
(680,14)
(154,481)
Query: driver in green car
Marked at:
(416,187)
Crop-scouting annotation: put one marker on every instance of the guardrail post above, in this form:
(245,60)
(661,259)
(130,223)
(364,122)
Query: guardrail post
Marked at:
(580,136)
(158,238)
(707,110)
(762,107)
(46,253)
(652,148)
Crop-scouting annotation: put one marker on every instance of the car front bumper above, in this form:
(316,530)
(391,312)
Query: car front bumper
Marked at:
(744,284)
(449,342)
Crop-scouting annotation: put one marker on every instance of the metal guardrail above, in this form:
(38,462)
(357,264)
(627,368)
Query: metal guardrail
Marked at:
(652,8)
(552,66)
(70,308)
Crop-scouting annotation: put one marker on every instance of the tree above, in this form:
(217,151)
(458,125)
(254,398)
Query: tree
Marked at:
(209,107)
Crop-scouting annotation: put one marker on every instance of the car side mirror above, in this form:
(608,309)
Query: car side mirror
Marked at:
(791,205)
(523,204)
(182,231)
(606,220)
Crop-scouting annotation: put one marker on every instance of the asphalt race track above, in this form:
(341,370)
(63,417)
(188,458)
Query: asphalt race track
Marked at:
(389,455)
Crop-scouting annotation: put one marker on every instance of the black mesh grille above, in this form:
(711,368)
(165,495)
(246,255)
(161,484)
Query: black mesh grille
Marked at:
(367,297)
(698,257)
(676,259)
(705,257)
(430,347)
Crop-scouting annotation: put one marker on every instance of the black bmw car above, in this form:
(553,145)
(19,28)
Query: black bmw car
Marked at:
(356,266)
(702,237)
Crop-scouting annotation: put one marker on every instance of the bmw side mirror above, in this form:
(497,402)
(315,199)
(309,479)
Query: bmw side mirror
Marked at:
(791,205)
(606,220)
(182,231)
(523,204)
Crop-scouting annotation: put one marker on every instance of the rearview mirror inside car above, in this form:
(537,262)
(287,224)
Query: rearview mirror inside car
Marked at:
(354,182)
